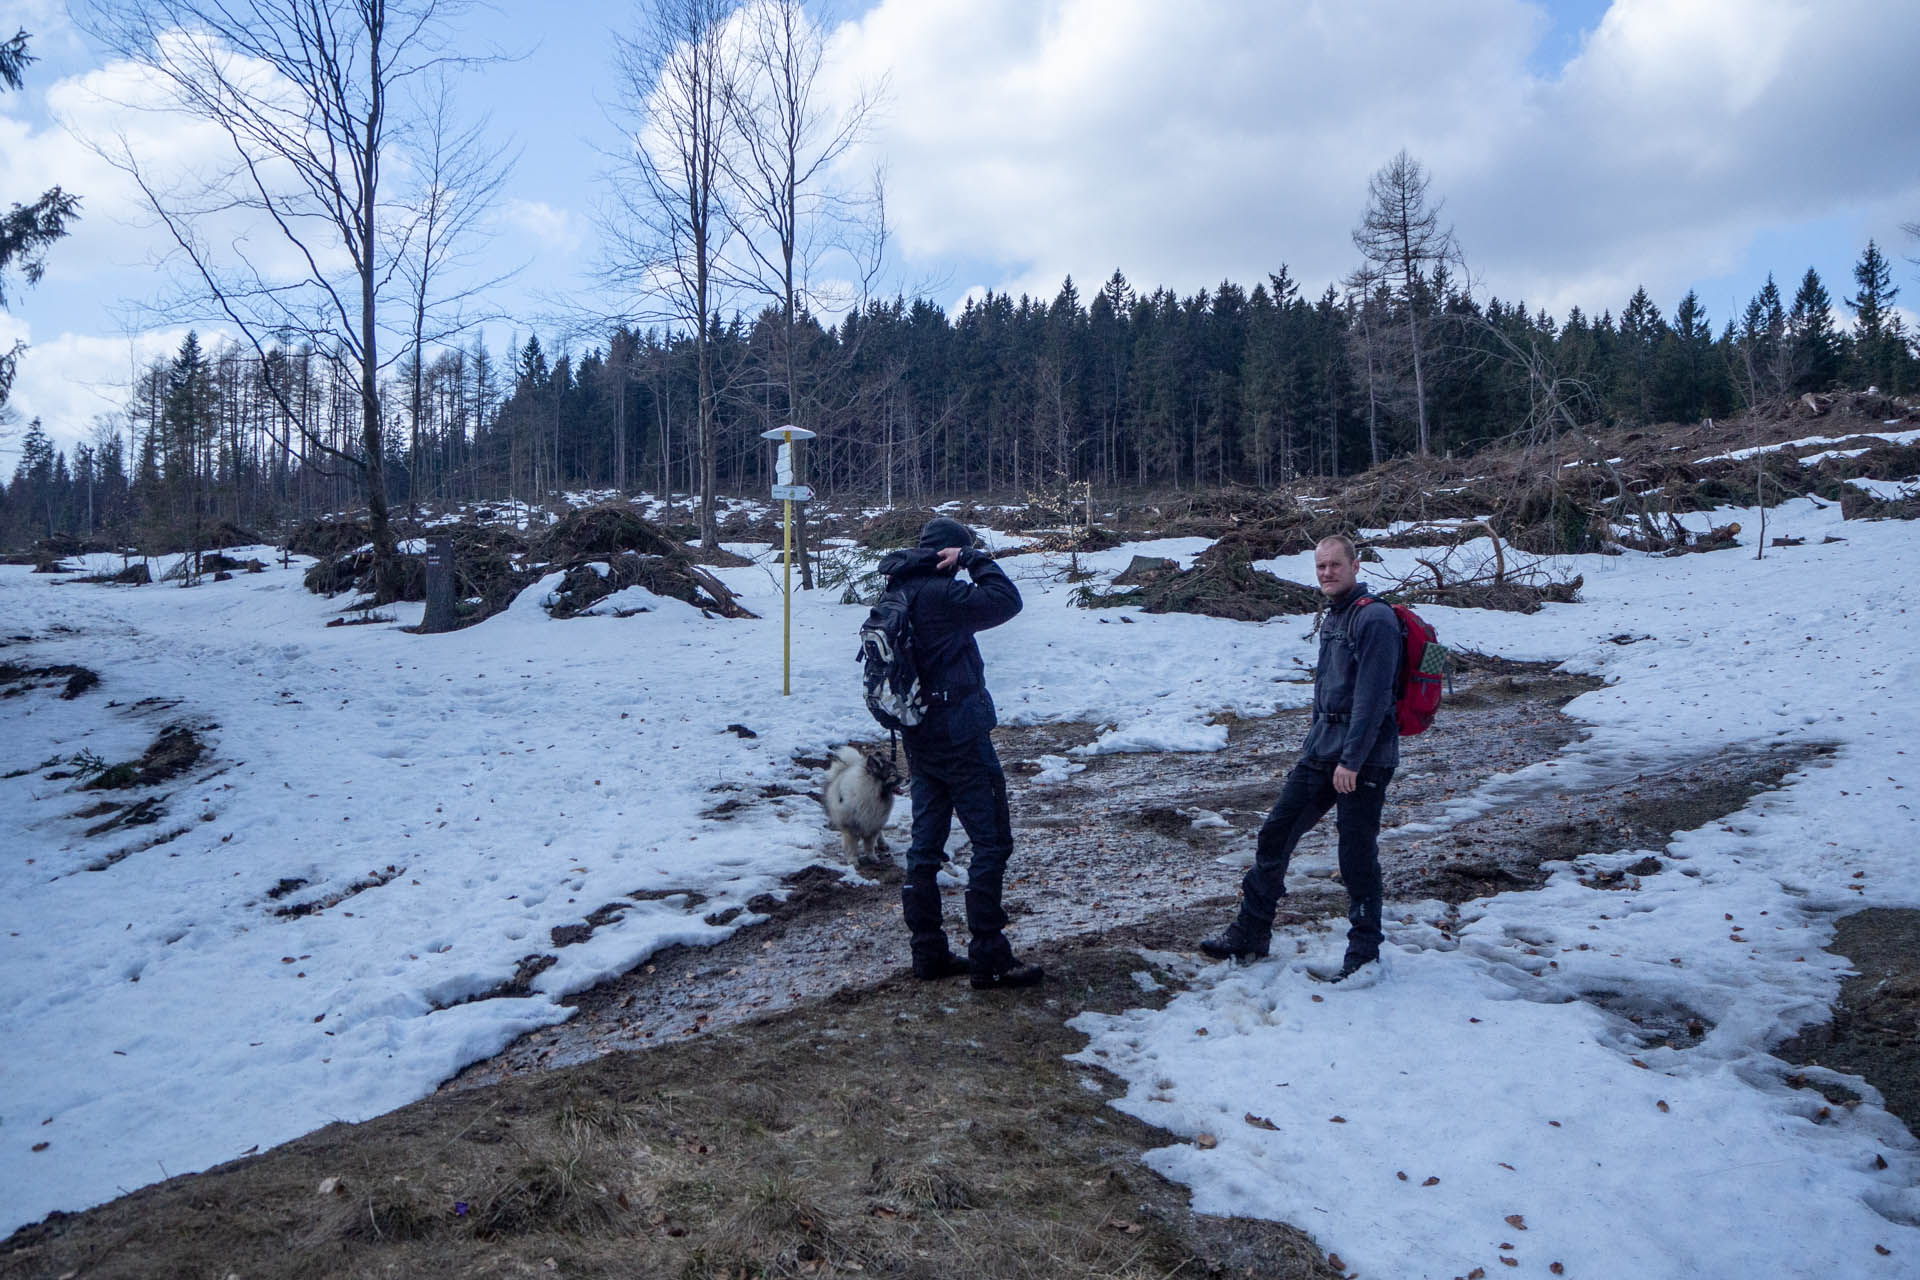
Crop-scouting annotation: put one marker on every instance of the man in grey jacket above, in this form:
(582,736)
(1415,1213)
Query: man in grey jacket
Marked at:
(1351,751)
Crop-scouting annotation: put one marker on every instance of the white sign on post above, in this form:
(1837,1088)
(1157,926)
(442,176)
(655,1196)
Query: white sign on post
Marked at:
(785,489)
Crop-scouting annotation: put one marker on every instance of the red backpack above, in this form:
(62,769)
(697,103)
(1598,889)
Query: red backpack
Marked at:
(1424,663)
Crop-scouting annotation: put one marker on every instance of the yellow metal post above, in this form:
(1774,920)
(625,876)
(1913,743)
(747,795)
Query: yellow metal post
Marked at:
(786,633)
(788,492)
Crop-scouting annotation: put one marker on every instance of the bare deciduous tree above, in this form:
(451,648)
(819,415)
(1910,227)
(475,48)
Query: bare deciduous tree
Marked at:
(458,180)
(306,96)
(1401,236)
(1555,401)
(786,144)
(667,221)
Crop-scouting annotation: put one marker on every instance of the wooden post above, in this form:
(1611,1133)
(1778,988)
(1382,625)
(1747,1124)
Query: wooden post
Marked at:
(439,616)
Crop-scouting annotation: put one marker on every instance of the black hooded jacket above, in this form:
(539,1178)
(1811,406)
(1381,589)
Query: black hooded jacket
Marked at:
(947,613)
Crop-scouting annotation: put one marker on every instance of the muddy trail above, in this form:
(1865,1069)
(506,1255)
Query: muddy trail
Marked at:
(1147,850)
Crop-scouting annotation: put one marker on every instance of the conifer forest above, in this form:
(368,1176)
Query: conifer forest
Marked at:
(1126,389)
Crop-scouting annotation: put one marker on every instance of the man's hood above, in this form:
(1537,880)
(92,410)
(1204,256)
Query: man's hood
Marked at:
(908,560)
(944,531)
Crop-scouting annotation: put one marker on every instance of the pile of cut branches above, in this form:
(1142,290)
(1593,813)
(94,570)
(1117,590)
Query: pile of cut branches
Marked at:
(598,532)
(325,539)
(899,527)
(755,526)
(1213,514)
(1466,577)
(1065,541)
(599,549)
(587,584)
(1858,504)
(489,568)
(134,575)
(1222,584)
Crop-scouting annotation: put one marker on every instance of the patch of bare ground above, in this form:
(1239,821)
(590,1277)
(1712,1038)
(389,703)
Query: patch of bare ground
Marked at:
(906,1129)
(73,681)
(1875,1031)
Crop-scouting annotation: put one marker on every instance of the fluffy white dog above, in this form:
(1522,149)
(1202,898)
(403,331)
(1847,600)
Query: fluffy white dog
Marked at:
(859,799)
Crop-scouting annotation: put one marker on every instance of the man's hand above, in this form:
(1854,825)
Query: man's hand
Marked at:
(949,558)
(1344,779)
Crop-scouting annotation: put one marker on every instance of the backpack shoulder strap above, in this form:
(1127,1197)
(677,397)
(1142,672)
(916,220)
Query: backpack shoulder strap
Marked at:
(1353,613)
(909,587)
(1400,659)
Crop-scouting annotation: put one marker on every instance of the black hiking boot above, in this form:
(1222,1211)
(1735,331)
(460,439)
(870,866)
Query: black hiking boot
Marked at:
(1014,974)
(1354,964)
(933,968)
(1235,943)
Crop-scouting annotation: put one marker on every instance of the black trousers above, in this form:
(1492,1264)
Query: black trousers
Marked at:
(1304,800)
(962,780)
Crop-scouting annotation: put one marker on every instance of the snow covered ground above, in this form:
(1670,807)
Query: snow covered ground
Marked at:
(1464,1107)
(487,787)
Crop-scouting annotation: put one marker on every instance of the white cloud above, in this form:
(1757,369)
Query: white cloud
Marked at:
(69,380)
(117,253)
(1215,139)
(548,226)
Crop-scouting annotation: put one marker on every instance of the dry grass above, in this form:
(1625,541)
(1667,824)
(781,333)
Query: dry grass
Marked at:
(910,1130)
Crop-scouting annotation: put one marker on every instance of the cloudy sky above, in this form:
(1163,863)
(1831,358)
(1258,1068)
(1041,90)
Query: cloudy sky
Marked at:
(1582,148)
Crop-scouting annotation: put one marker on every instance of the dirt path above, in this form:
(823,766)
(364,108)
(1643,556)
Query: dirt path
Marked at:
(1151,847)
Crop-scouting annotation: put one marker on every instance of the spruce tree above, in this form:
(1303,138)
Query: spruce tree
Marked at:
(1683,374)
(1815,346)
(1764,358)
(1641,330)
(1876,354)
(31,493)
(187,418)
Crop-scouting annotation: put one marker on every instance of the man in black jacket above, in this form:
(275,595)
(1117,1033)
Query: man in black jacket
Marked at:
(1350,754)
(951,756)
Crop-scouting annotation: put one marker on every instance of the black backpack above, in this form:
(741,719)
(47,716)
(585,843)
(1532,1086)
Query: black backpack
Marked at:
(890,676)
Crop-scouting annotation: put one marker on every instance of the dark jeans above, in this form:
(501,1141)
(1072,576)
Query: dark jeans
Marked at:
(1304,800)
(964,780)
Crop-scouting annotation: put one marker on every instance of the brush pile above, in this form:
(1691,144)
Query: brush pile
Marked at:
(586,585)
(600,549)
(1222,584)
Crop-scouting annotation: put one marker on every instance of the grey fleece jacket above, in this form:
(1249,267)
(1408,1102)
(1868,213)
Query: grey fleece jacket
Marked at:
(1353,686)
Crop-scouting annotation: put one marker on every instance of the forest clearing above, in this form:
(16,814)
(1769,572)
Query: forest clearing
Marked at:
(452,452)
(532,930)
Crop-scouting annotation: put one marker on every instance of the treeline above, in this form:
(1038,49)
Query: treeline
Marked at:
(1229,385)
